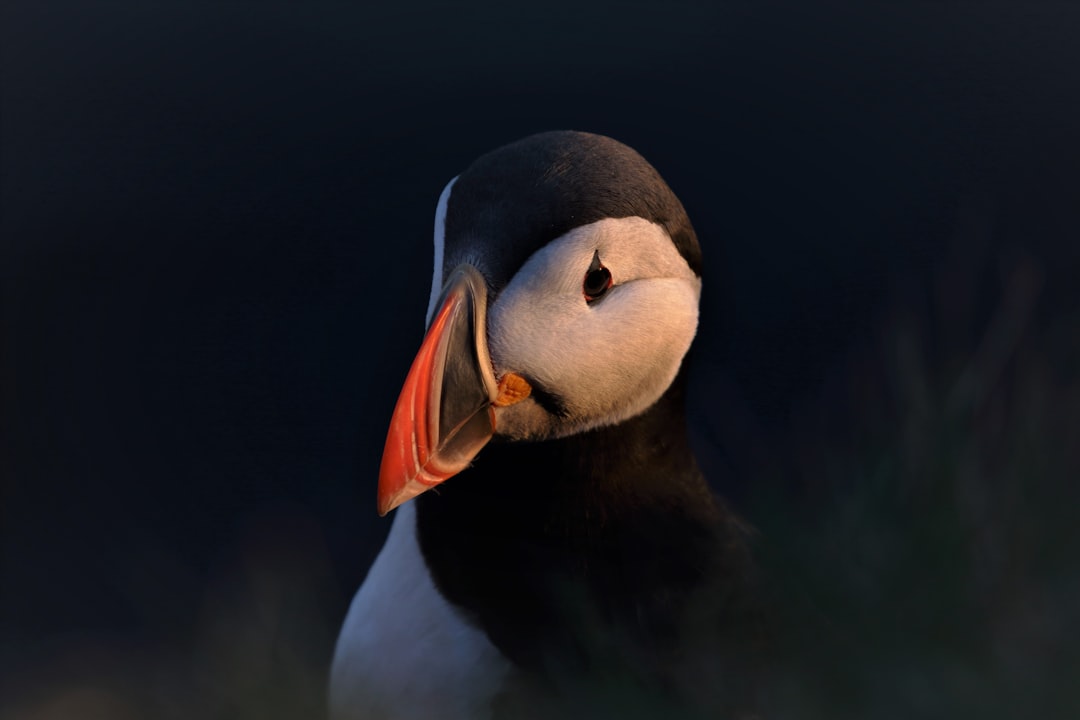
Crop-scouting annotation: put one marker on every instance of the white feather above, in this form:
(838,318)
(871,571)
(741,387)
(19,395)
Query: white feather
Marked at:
(440,249)
(608,360)
(404,652)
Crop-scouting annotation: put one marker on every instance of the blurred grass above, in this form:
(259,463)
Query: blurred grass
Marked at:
(928,568)
(916,523)
(260,647)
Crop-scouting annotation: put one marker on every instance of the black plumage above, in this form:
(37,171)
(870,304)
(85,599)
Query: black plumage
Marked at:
(600,564)
(517,198)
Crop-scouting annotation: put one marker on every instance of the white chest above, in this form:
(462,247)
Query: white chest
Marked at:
(404,652)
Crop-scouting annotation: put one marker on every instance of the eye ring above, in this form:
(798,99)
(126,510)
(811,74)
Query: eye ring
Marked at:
(597,280)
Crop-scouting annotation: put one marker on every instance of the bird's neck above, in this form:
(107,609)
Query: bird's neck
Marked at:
(567,489)
(537,537)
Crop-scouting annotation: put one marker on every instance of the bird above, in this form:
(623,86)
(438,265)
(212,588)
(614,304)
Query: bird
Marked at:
(555,550)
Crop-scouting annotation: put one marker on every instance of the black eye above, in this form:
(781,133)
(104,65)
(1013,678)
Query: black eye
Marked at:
(597,279)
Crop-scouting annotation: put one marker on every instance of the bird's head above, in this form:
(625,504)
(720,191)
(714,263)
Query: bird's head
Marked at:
(564,298)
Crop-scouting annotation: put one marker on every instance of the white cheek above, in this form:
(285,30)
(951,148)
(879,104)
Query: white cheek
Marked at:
(605,361)
(636,343)
(608,361)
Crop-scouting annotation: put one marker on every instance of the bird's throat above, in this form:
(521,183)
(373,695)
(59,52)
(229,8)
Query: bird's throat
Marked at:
(539,540)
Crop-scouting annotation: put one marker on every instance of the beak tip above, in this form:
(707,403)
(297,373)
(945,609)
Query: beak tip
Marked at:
(392,487)
(393,495)
(386,504)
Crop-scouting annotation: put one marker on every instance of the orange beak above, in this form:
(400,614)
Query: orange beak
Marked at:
(444,415)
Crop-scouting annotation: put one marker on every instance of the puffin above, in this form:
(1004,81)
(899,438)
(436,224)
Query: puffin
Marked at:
(555,550)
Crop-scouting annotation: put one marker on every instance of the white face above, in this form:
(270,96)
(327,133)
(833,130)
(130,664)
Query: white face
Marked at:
(606,360)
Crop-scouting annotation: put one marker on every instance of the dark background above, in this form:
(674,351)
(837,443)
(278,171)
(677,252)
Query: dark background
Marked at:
(215,226)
